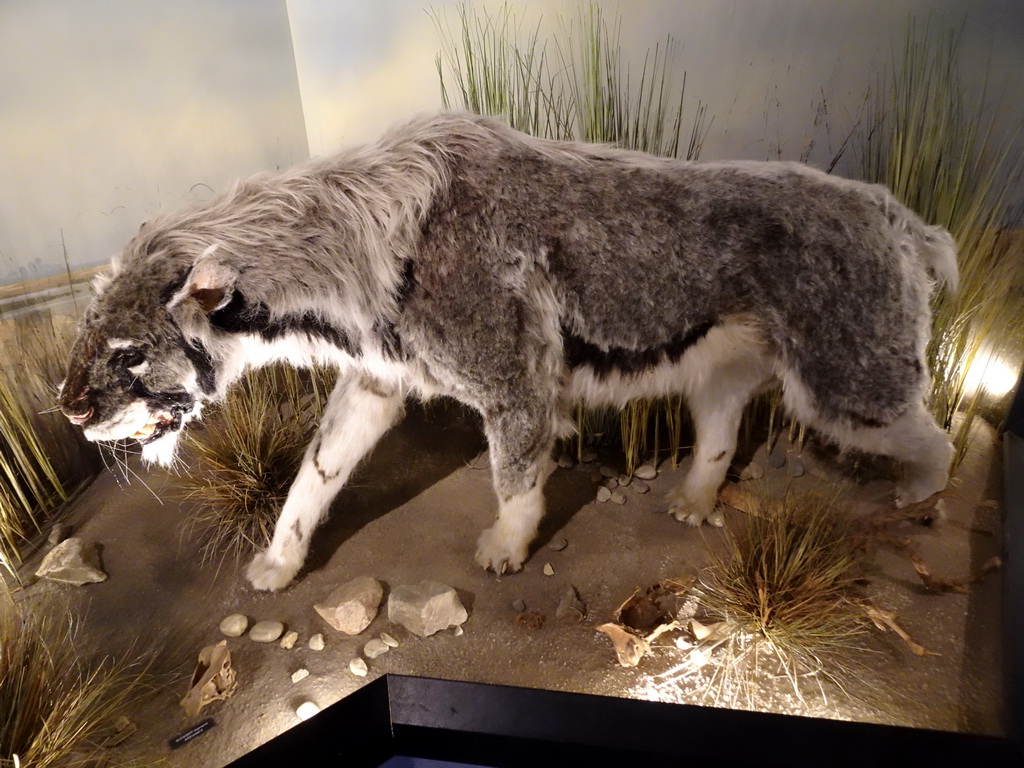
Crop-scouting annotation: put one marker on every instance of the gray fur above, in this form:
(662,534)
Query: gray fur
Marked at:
(458,257)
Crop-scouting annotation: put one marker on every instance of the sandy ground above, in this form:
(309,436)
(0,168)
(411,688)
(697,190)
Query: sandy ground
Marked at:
(414,512)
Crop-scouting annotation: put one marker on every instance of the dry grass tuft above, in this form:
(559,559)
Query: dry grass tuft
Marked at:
(789,579)
(54,711)
(246,455)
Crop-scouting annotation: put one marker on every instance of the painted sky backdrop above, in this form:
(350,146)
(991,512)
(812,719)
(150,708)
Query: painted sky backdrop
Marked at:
(112,109)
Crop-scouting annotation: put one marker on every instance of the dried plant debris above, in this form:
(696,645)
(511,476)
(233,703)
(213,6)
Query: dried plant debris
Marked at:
(629,648)
(213,680)
(645,616)
(783,601)
(883,529)
(887,620)
(532,620)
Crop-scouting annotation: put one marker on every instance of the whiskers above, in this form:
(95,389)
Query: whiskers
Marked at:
(118,455)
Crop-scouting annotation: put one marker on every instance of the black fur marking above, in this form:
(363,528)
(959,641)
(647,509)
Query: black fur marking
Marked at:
(325,476)
(720,456)
(579,352)
(391,344)
(864,421)
(297,530)
(239,316)
(175,402)
(201,360)
(172,288)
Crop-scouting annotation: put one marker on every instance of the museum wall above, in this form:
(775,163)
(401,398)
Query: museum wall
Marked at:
(111,109)
(114,108)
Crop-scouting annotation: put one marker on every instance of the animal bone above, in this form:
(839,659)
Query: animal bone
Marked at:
(214,679)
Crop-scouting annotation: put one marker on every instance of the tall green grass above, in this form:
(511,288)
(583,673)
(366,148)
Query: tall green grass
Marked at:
(41,454)
(935,145)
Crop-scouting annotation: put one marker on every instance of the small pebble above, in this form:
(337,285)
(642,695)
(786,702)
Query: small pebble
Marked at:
(777,458)
(358,667)
(289,640)
(459,631)
(603,494)
(316,642)
(617,497)
(607,471)
(625,480)
(306,710)
(518,605)
(375,648)
(646,472)
(753,471)
(558,544)
(611,483)
(588,456)
(266,631)
(639,486)
(234,625)
(548,570)
(299,674)
(796,467)
(389,641)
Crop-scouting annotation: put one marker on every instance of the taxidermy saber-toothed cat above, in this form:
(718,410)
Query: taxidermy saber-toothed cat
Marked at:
(458,257)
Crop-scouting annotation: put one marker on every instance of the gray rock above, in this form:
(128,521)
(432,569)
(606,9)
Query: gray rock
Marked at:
(300,674)
(588,456)
(316,642)
(607,471)
(640,486)
(565,461)
(426,608)
(777,458)
(375,648)
(388,640)
(549,569)
(646,472)
(611,483)
(266,631)
(571,609)
(603,494)
(358,667)
(596,477)
(351,607)
(72,562)
(625,480)
(519,605)
(58,533)
(559,544)
(796,467)
(234,625)
(617,497)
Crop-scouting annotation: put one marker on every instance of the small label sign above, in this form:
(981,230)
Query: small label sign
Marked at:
(196,730)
